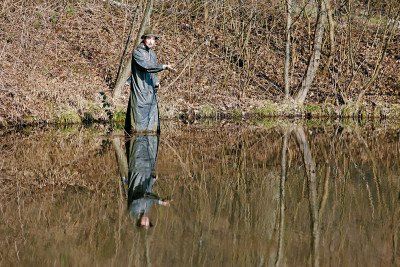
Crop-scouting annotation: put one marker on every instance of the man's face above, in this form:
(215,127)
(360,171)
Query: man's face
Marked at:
(150,41)
(145,222)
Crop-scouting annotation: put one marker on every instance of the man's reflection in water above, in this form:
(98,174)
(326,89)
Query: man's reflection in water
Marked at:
(141,154)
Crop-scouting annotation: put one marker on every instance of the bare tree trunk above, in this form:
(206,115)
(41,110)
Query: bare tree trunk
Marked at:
(331,23)
(340,99)
(287,53)
(128,40)
(316,54)
(126,71)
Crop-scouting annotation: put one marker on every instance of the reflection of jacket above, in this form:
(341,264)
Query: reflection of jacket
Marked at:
(142,156)
(143,205)
(144,77)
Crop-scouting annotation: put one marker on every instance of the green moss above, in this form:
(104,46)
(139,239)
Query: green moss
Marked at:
(70,10)
(268,110)
(27,130)
(314,109)
(94,109)
(37,24)
(54,18)
(268,123)
(375,20)
(320,110)
(208,111)
(236,113)
(317,123)
(29,119)
(363,113)
(68,117)
(119,118)
(67,129)
(348,110)
(394,111)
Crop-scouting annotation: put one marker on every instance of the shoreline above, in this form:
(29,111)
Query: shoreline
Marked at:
(271,110)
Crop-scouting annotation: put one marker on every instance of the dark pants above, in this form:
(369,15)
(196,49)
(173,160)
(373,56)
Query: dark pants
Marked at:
(144,118)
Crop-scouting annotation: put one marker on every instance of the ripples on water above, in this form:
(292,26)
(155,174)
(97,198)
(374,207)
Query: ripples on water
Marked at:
(272,193)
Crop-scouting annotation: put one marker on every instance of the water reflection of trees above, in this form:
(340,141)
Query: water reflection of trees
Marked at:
(324,224)
(325,198)
(227,187)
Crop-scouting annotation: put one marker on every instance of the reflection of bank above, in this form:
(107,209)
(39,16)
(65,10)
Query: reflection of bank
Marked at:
(139,168)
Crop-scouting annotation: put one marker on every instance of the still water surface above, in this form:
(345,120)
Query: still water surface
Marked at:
(273,193)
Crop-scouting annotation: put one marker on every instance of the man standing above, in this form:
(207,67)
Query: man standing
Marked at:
(142,114)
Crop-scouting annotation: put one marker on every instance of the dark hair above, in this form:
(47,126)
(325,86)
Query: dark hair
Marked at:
(141,226)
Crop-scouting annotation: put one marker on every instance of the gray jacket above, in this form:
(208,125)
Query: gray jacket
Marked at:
(144,74)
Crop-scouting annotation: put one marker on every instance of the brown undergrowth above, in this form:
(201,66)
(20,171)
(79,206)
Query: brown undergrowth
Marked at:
(56,56)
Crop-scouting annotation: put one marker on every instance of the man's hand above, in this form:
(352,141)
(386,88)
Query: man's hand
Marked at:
(166,203)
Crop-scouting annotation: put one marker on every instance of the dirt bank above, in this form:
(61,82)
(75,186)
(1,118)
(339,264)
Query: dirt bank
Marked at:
(56,56)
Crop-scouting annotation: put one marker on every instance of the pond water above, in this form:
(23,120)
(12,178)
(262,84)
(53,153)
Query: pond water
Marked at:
(297,193)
